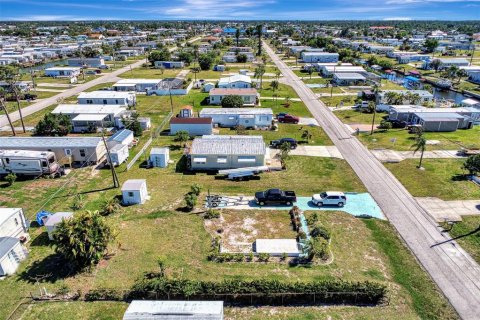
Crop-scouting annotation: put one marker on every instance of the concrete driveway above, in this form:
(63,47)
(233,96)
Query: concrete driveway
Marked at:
(313,151)
(308,122)
(453,210)
(387,155)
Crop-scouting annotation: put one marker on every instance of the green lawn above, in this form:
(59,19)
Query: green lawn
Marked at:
(468,234)
(337,100)
(404,140)
(442,178)
(282,91)
(354,116)
(149,73)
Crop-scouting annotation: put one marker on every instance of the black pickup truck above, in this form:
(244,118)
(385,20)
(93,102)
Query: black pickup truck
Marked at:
(275,196)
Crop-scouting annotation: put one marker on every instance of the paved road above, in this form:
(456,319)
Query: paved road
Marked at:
(108,77)
(452,269)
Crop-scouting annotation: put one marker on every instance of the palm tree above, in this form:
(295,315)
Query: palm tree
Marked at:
(259,72)
(237,35)
(420,145)
(461,73)
(278,74)
(372,106)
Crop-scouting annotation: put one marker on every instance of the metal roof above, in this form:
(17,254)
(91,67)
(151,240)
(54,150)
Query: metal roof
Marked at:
(235,78)
(90,117)
(124,82)
(228,145)
(6,244)
(105,94)
(133,184)
(349,76)
(203,120)
(121,135)
(235,111)
(158,150)
(48,142)
(173,308)
(233,91)
(63,68)
(57,217)
(89,108)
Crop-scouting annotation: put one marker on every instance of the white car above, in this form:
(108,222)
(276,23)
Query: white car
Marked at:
(329,198)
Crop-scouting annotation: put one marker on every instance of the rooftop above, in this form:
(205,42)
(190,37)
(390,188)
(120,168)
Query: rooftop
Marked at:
(173,308)
(57,217)
(240,111)
(133,184)
(233,91)
(6,244)
(6,213)
(105,94)
(228,145)
(205,120)
(48,142)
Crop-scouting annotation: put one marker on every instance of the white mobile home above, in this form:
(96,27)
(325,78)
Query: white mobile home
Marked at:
(235,81)
(89,150)
(227,152)
(194,126)
(348,79)
(86,116)
(249,95)
(169,64)
(171,310)
(54,220)
(330,70)
(134,191)
(232,117)
(108,97)
(12,253)
(86,62)
(123,136)
(67,72)
(13,223)
(139,85)
(322,57)
(423,96)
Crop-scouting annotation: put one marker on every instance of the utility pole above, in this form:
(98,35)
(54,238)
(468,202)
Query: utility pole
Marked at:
(171,101)
(33,80)
(116,184)
(2,106)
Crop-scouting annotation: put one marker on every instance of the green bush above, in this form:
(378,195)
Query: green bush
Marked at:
(212,214)
(263,257)
(11,178)
(319,231)
(190,201)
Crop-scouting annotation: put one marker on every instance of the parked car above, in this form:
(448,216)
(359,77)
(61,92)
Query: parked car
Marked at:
(398,124)
(329,198)
(29,96)
(104,67)
(275,196)
(26,96)
(362,105)
(287,118)
(277,143)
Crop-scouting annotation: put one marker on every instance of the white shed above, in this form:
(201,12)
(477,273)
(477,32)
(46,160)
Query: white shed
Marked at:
(134,191)
(54,220)
(11,254)
(119,154)
(159,157)
(173,310)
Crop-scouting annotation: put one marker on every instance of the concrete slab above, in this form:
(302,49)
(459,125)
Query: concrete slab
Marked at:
(443,211)
(387,155)
(313,151)
(358,204)
(308,122)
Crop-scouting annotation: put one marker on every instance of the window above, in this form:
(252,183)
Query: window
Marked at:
(16,221)
(116,102)
(222,159)
(130,194)
(247,159)
(44,163)
(200,160)
(104,101)
(68,152)
(89,101)
(7,160)
(82,152)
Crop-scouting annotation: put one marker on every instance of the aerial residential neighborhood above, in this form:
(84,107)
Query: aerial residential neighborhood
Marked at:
(197,160)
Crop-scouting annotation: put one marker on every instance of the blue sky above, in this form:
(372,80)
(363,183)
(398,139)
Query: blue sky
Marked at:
(31,10)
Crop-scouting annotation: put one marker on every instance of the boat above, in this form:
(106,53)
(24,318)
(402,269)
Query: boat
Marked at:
(444,84)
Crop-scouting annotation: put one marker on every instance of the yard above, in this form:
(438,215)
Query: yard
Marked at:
(356,117)
(442,178)
(400,139)
(149,73)
(467,234)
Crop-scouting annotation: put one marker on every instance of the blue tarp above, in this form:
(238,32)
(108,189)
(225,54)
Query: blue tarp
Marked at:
(410,78)
(42,214)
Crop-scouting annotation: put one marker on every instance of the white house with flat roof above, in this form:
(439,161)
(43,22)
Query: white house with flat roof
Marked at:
(86,62)
(322,57)
(227,152)
(232,117)
(139,85)
(108,97)
(86,117)
(423,95)
(348,79)
(330,70)
(13,223)
(62,72)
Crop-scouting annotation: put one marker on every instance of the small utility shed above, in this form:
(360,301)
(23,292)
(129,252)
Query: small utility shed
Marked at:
(54,220)
(174,310)
(159,157)
(134,191)
(277,247)
(11,254)
(194,126)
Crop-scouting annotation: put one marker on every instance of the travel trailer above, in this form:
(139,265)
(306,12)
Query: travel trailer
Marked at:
(29,163)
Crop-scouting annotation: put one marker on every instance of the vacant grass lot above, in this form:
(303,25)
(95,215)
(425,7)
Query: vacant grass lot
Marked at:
(467,233)
(338,100)
(149,73)
(354,116)
(442,178)
(404,140)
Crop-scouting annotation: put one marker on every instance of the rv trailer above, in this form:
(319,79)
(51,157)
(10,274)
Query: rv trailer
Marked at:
(29,163)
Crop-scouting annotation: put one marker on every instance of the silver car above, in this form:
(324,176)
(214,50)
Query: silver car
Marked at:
(329,198)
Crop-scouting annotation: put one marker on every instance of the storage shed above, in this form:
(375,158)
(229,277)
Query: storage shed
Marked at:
(159,157)
(134,191)
(277,247)
(194,126)
(119,153)
(54,220)
(174,310)
(11,254)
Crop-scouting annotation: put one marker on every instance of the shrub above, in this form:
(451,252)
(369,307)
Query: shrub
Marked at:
(196,189)
(263,257)
(232,101)
(78,202)
(250,257)
(212,214)
(11,178)
(319,231)
(312,220)
(472,164)
(385,125)
(110,206)
(53,125)
(284,256)
(190,201)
